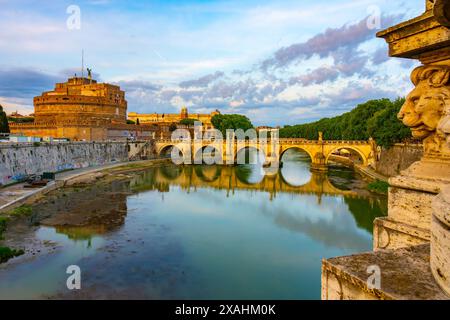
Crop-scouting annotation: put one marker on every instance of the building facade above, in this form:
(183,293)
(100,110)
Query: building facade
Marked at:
(166,119)
(81,110)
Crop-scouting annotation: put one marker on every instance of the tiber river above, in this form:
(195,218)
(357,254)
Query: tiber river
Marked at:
(201,232)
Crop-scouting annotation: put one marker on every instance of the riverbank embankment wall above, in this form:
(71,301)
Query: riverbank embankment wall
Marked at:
(20,160)
(398,158)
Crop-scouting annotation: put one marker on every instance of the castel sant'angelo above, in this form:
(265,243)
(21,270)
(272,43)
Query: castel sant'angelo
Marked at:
(83,110)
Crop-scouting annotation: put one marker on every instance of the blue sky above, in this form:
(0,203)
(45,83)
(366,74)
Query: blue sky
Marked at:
(278,62)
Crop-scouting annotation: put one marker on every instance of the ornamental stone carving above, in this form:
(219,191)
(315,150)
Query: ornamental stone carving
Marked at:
(426,110)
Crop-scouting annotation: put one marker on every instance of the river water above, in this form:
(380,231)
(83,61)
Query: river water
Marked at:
(199,232)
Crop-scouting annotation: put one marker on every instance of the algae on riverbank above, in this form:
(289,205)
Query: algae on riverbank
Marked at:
(24,210)
(2,226)
(8,253)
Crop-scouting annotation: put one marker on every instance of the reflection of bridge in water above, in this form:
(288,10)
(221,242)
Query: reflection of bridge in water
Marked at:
(234,178)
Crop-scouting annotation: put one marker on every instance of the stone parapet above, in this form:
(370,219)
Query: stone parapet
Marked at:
(440,240)
(404,274)
(391,234)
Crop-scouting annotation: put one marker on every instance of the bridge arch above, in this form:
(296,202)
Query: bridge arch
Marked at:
(248,147)
(216,155)
(283,151)
(349,147)
(167,147)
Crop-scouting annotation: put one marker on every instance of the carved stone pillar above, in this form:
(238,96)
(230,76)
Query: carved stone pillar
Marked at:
(319,162)
(440,240)
(426,38)
(419,198)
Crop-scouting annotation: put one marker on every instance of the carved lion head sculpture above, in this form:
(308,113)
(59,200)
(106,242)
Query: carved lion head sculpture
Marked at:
(426,106)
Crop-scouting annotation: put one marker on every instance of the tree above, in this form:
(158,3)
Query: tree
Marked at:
(172,127)
(375,118)
(137,121)
(384,126)
(222,122)
(21,120)
(188,122)
(130,122)
(4,127)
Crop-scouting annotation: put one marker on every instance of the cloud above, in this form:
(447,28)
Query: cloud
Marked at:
(21,105)
(203,81)
(316,76)
(25,83)
(355,93)
(322,44)
(277,79)
(380,56)
(339,43)
(138,85)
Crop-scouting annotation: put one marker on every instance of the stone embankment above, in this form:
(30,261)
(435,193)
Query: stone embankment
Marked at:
(17,161)
(398,158)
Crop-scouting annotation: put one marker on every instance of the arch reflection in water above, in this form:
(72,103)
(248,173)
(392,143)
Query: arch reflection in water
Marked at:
(204,232)
(243,177)
(296,167)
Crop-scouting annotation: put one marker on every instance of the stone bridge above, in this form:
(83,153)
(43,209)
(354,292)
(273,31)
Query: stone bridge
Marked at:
(318,150)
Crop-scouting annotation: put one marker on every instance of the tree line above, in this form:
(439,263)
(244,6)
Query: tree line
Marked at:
(375,118)
(4,127)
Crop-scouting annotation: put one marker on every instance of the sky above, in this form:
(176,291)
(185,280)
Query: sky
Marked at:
(277,62)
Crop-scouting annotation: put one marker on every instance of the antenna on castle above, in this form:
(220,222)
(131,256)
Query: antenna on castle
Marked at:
(82,63)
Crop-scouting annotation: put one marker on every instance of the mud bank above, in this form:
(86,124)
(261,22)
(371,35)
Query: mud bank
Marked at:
(77,204)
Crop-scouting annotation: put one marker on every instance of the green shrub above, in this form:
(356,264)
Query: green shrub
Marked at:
(4,126)
(8,253)
(188,121)
(378,186)
(25,210)
(2,226)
